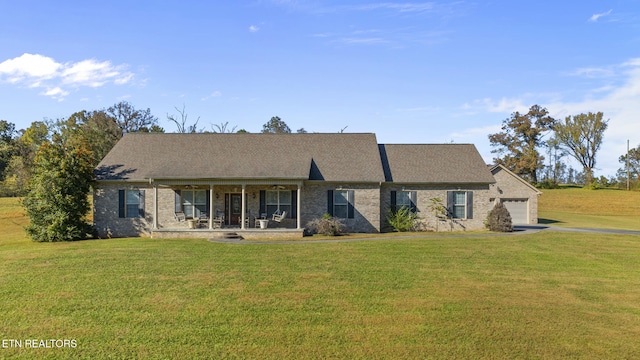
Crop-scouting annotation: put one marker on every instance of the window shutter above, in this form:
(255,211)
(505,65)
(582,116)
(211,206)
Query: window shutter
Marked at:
(294,204)
(413,195)
(330,202)
(178,202)
(469,204)
(208,203)
(393,200)
(350,210)
(263,202)
(449,203)
(141,203)
(121,204)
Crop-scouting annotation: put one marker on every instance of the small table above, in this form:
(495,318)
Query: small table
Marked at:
(263,223)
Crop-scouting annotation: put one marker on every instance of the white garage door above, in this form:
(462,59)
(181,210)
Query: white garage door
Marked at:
(518,209)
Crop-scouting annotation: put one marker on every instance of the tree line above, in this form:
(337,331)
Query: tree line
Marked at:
(524,137)
(97,130)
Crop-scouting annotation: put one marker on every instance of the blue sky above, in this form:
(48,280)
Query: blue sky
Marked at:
(412,72)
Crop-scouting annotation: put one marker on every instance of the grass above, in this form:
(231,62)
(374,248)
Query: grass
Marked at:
(546,295)
(577,207)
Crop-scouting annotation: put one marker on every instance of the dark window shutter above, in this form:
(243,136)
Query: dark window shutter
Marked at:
(263,202)
(413,195)
(393,200)
(121,204)
(208,203)
(294,204)
(178,202)
(469,204)
(351,202)
(449,203)
(141,203)
(330,202)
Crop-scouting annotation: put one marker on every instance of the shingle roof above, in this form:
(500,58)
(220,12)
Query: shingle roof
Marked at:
(329,157)
(434,163)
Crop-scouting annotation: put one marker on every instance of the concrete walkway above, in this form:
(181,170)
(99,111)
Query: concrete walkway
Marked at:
(518,230)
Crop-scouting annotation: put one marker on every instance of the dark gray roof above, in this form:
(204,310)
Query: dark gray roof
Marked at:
(434,163)
(329,157)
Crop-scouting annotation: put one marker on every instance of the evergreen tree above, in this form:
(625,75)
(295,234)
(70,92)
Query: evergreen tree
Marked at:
(57,202)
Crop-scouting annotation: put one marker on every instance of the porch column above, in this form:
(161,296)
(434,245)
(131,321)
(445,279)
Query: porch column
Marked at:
(155,205)
(244,210)
(210,206)
(299,209)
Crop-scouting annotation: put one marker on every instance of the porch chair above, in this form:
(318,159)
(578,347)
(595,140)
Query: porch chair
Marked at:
(180,216)
(203,219)
(278,217)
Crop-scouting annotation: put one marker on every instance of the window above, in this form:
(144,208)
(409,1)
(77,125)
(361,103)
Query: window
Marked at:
(341,204)
(278,200)
(403,198)
(194,203)
(460,204)
(130,203)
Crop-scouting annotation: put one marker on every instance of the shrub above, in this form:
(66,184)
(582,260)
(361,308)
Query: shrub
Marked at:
(326,225)
(499,219)
(402,219)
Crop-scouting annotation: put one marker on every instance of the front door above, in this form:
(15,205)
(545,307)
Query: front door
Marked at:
(233,208)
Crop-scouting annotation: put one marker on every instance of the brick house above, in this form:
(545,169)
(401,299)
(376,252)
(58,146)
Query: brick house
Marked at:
(160,184)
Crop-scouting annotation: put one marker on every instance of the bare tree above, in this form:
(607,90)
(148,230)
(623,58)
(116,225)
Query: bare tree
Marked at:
(181,123)
(223,128)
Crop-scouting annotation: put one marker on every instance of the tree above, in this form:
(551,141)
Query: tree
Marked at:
(7,140)
(633,157)
(518,142)
(99,129)
(182,122)
(56,202)
(131,120)
(223,128)
(276,126)
(581,135)
(20,167)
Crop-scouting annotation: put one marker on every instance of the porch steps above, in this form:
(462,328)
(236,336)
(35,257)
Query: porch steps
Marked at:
(232,235)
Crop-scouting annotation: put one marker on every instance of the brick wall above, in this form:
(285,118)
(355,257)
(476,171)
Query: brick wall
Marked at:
(482,204)
(106,220)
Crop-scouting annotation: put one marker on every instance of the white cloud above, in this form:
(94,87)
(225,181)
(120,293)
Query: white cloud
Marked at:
(253,28)
(39,71)
(595,17)
(619,103)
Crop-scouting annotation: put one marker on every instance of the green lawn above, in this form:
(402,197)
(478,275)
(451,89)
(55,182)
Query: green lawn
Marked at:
(547,295)
(577,207)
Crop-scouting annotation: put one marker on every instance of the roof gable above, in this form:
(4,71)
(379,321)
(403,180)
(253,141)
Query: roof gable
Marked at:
(498,167)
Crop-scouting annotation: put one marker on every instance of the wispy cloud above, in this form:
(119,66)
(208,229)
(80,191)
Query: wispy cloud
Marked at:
(253,29)
(398,7)
(595,17)
(214,94)
(56,79)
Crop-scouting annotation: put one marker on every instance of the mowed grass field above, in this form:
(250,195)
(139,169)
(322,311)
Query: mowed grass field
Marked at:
(583,208)
(545,295)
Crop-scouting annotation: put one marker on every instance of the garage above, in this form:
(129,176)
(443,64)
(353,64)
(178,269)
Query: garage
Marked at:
(519,210)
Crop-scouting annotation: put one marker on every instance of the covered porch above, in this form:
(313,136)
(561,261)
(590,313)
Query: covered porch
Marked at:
(212,207)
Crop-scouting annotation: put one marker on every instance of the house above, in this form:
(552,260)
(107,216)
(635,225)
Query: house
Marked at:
(518,196)
(149,184)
